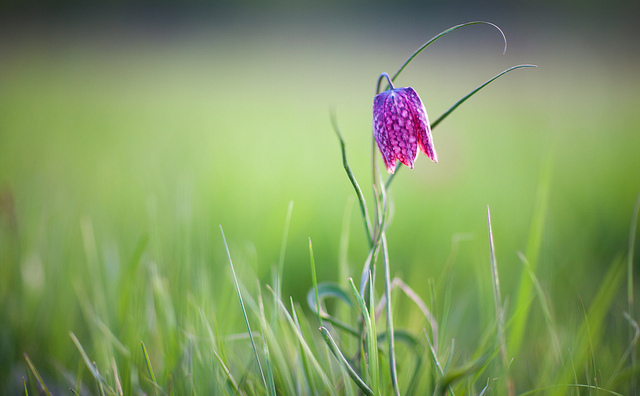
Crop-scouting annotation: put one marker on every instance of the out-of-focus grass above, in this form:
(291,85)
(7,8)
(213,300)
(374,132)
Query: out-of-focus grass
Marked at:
(119,157)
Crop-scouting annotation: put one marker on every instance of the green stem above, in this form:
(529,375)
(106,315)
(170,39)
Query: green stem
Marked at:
(387,292)
(470,94)
(354,183)
(443,33)
(389,82)
(338,354)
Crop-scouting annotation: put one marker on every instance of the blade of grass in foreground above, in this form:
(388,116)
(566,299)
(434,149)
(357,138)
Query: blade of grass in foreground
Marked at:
(36,374)
(590,331)
(387,292)
(496,296)
(244,312)
(264,328)
(343,361)
(616,375)
(315,281)
(546,311)
(457,374)
(92,368)
(630,254)
(519,319)
(371,337)
(283,248)
(230,378)
(305,365)
(149,368)
(306,348)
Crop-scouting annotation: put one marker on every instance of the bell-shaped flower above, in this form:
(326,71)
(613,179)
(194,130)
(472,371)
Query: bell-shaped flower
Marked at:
(400,126)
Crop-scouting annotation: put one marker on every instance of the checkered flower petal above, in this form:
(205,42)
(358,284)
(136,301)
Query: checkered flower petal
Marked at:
(400,126)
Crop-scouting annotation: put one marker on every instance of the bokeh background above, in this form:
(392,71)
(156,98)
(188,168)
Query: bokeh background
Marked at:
(127,121)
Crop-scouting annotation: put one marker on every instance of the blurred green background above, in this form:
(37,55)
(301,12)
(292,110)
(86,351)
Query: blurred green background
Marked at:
(165,121)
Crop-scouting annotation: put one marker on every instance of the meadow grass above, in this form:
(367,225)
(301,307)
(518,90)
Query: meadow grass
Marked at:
(116,278)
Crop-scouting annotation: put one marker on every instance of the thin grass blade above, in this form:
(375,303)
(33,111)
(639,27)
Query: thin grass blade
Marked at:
(457,374)
(221,361)
(36,374)
(519,319)
(338,354)
(303,357)
(615,375)
(562,387)
(591,329)
(283,248)
(630,256)
(314,278)
(306,349)
(147,360)
(264,328)
(544,304)
(244,312)
(496,295)
(387,292)
(371,337)
(92,368)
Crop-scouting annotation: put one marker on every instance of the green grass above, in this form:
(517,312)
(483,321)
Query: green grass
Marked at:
(119,162)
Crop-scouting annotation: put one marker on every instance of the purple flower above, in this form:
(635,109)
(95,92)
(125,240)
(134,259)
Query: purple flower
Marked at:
(400,125)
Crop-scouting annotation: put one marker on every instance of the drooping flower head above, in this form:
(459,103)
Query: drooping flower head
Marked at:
(400,126)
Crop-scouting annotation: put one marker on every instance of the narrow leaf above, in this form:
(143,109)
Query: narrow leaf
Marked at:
(37,376)
(92,368)
(630,302)
(371,337)
(387,292)
(303,357)
(306,348)
(244,312)
(496,295)
(149,367)
(470,94)
(336,352)
(519,320)
(283,248)
(314,278)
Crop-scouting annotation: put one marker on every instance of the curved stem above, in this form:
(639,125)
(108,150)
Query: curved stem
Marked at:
(389,82)
(443,33)
(354,182)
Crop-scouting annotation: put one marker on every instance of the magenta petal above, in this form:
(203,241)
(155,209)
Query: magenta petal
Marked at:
(425,141)
(400,125)
(394,128)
